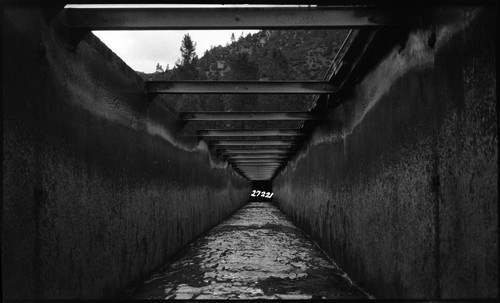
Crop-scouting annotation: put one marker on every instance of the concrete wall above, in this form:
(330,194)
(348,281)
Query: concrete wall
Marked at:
(399,184)
(98,191)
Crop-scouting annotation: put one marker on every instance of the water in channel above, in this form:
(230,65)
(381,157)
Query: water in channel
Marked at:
(255,254)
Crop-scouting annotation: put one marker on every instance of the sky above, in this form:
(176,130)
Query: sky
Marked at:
(142,50)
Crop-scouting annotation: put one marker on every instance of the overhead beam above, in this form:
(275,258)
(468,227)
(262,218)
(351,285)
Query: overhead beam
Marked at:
(234,151)
(255,156)
(240,87)
(249,132)
(256,148)
(257,166)
(259,162)
(267,165)
(262,156)
(263,139)
(278,2)
(236,164)
(254,168)
(246,116)
(257,170)
(260,173)
(164,18)
(255,173)
(253,142)
(270,175)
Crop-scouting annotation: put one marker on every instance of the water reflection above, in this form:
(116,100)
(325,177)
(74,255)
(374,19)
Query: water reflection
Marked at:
(255,254)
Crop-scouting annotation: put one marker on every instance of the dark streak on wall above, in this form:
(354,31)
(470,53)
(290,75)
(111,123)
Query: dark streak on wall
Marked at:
(98,188)
(399,184)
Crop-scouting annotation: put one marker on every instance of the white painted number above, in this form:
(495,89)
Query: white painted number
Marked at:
(264,194)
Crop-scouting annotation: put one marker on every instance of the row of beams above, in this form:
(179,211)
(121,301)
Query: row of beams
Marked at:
(256,171)
(162,18)
(239,87)
(246,116)
(249,132)
(212,18)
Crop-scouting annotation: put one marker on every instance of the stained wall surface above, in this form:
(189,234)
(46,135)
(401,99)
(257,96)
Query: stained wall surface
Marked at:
(399,183)
(99,189)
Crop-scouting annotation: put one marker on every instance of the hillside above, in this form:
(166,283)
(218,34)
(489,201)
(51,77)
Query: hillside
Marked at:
(306,53)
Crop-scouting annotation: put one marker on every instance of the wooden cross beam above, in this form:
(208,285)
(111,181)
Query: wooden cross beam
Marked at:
(165,18)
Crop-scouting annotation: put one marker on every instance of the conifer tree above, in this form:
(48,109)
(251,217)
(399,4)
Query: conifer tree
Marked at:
(186,64)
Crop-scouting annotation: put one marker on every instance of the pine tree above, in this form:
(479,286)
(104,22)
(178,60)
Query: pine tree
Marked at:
(186,64)
(188,50)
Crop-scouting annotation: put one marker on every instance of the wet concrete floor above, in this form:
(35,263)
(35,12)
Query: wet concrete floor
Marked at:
(255,254)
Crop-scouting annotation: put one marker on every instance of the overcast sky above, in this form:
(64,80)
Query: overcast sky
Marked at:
(142,50)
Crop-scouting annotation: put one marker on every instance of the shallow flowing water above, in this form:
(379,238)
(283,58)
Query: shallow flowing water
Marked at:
(255,254)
